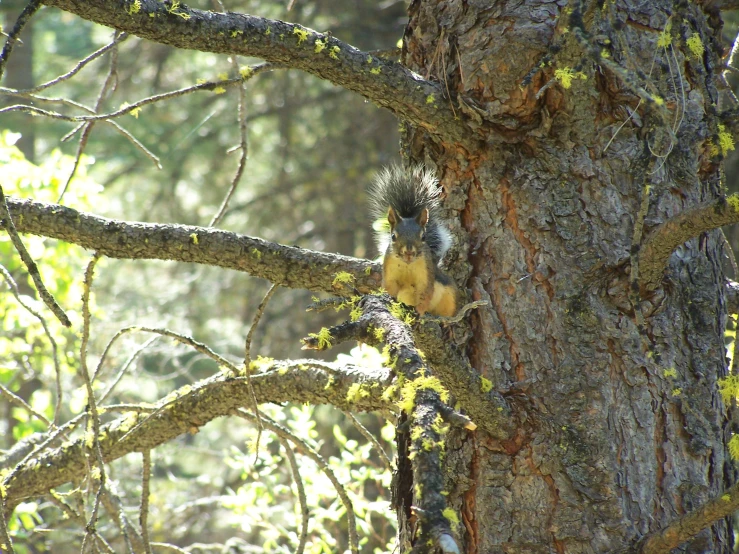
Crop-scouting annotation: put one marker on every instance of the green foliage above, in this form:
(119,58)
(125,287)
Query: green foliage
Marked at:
(312,151)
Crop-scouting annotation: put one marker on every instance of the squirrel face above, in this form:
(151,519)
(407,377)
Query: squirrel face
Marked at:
(408,234)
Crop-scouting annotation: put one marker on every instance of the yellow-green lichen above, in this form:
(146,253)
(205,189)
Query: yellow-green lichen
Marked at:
(726,498)
(236,33)
(672,372)
(302,34)
(379,333)
(399,312)
(658,100)
(268,31)
(257,253)
(725,140)
(486,385)
(323,337)
(261,363)
(734,447)
(356,392)
(320,45)
(134,8)
(677,392)
(566,75)
(389,393)
(695,45)
(342,278)
(375,71)
(410,388)
(368,270)
(416,432)
(438,425)
(219,90)
(174,6)
(334,52)
(246,72)
(665,38)
(194,238)
(728,387)
(330,383)
(451,516)
(355,314)
(430,99)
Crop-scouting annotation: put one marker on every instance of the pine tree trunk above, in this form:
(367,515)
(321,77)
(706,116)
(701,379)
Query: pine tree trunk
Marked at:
(625,428)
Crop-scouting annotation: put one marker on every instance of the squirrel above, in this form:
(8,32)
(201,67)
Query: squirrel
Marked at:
(414,240)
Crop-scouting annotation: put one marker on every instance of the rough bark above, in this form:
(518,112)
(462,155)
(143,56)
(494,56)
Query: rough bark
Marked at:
(627,429)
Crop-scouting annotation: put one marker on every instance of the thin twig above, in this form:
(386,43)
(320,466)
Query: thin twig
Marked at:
(210,85)
(247,363)
(82,63)
(74,515)
(12,397)
(281,431)
(172,547)
(370,437)
(189,341)
(243,144)
(54,350)
(7,544)
(109,84)
(301,495)
(125,367)
(21,22)
(91,404)
(30,264)
(144,508)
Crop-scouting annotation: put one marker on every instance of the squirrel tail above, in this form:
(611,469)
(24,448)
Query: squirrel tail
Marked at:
(408,192)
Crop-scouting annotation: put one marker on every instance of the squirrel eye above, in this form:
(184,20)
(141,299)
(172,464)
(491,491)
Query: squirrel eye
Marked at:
(423,237)
(394,237)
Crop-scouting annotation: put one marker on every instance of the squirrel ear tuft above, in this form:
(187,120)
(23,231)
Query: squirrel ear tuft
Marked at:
(392,218)
(423,218)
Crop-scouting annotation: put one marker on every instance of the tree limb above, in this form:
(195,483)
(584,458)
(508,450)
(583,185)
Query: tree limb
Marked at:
(186,410)
(283,265)
(386,83)
(656,249)
(691,524)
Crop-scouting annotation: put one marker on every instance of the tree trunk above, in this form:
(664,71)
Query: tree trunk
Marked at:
(626,430)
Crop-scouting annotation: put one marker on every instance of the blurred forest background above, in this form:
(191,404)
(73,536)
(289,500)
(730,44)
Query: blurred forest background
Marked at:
(312,151)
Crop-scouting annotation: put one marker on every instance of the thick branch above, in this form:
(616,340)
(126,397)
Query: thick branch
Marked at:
(657,248)
(387,83)
(284,265)
(487,408)
(185,411)
(693,523)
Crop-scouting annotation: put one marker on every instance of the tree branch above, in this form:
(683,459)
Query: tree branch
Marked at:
(656,249)
(283,265)
(187,410)
(691,524)
(386,83)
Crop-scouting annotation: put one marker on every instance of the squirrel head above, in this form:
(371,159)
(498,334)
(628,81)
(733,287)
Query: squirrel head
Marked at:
(408,234)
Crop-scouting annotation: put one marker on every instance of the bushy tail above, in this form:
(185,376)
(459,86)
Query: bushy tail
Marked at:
(408,191)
